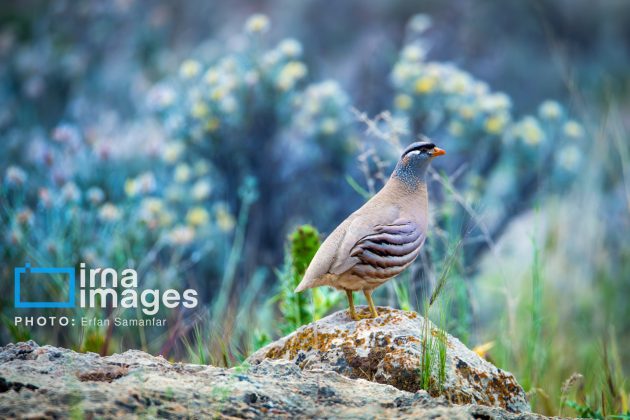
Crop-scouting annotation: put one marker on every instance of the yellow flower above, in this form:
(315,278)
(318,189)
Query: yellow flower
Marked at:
(199,110)
(211,76)
(425,84)
(483,349)
(290,74)
(295,69)
(182,173)
(495,124)
(573,130)
(189,69)
(550,110)
(403,101)
(201,190)
(329,126)
(467,112)
(218,93)
(197,216)
(172,152)
(257,23)
(225,220)
(152,204)
(131,187)
(531,132)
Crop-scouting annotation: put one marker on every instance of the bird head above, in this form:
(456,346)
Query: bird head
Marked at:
(421,151)
(415,160)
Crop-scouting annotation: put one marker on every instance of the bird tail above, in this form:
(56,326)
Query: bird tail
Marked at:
(301,287)
(306,283)
(310,282)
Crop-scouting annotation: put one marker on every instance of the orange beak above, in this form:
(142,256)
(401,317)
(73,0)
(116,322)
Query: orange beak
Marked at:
(438,152)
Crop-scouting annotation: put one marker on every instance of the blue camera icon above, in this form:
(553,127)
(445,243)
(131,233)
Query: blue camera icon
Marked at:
(19,272)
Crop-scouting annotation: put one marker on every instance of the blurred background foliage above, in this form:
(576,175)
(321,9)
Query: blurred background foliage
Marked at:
(208,144)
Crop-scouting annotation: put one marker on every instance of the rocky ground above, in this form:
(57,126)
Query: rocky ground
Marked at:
(390,350)
(296,377)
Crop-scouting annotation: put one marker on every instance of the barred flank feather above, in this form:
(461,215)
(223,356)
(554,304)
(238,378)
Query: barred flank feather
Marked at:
(389,251)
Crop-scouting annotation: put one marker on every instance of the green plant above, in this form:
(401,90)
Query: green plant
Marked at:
(195,351)
(433,356)
(402,294)
(427,358)
(434,341)
(588,412)
(301,308)
(535,346)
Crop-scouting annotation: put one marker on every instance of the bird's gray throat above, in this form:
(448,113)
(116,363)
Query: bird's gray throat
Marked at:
(411,175)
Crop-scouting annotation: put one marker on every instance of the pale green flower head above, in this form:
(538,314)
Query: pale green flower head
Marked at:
(182,173)
(573,129)
(530,132)
(291,48)
(419,23)
(201,190)
(550,110)
(257,24)
(189,69)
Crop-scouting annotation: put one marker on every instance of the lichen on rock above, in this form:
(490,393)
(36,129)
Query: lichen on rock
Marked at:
(389,350)
(50,382)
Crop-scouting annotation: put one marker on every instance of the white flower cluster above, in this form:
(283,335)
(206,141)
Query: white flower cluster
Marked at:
(323,110)
(443,98)
(225,92)
(447,95)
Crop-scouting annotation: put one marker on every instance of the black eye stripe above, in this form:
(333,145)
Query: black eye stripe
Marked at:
(420,147)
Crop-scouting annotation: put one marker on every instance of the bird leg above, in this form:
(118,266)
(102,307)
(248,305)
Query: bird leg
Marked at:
(353,314)
(368,297)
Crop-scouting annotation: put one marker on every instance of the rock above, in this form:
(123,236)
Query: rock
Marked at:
(389,350)
(50,382)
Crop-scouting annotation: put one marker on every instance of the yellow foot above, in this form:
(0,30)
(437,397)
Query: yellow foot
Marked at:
(353,314)
(368,297)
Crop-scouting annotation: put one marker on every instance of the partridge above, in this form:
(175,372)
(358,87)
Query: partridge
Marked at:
(382,238)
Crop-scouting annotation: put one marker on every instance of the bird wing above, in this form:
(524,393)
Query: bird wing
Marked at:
(382,250)
(389,250)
